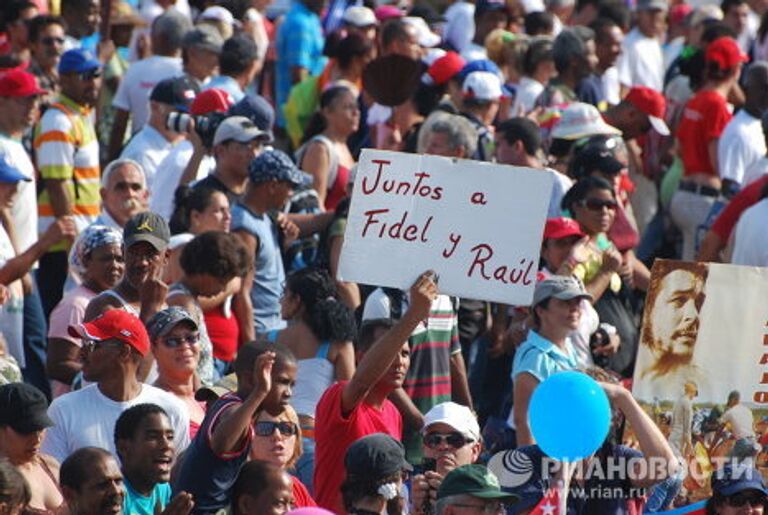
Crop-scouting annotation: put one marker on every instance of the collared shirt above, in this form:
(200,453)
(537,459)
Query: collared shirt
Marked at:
(299,43)
(106,219)
(67,148)
(228,84)
(148,148)
(541,358)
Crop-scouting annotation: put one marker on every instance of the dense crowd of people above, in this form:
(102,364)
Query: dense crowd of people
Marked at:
(175,185)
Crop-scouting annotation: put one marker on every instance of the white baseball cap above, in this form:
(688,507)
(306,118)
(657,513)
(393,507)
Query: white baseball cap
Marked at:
(455,415)
(580,120)
(219,13)
(482,86)
(424,35)
(359,16)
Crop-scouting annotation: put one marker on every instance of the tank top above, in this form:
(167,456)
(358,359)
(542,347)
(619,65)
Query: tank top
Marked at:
(125,304)
(338,175)
(205,365)
(313,377)
(211,490)
(223,331)
(36,511)
(269,276)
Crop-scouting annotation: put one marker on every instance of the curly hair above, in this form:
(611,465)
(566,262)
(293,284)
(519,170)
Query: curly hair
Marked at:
(216,253)
(328,317)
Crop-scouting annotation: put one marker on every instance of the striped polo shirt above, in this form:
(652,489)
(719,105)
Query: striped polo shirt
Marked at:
(67,148)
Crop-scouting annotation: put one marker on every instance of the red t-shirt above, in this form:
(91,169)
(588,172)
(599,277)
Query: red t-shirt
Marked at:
(334,434)
(704,118)
(746,198)
(301,497)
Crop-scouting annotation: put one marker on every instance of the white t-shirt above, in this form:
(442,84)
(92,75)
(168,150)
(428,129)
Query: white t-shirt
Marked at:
(560,187)
(741,144)
(459,25)
(24,211)
(756,170)
(740,418)
(611,85)
(87,418)
(474,52)
(148,148)
(168,174)
(12,311)
(750,240)
(641,62)
(526,93)
(137,83)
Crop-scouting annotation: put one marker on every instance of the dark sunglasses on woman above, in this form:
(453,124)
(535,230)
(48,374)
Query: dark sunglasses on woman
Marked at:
(268,428)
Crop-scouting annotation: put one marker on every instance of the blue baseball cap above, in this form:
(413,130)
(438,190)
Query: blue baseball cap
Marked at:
(732,479)
(480,65)
(275,165)
(78,60)
(10,173)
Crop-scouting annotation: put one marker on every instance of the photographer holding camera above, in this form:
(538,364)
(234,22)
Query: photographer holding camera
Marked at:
(192,159)
(451,438)
(156,140)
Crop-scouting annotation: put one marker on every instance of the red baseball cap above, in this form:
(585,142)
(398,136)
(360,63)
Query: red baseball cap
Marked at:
(652,103)
(557,228)
(115,324)
(445,68)
(725,52)
(19,83)
(210,101)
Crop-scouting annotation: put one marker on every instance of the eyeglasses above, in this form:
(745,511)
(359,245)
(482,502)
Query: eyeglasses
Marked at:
(50,41)
(90,74)
(747,497)
(596,204)
(494,508)
(177,341)
(455,440)
(268,428)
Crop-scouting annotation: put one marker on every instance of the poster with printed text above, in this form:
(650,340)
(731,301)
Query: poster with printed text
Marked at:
(702,366)
(477,225)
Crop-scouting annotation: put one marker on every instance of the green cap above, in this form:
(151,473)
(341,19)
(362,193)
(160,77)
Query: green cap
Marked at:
(474,480)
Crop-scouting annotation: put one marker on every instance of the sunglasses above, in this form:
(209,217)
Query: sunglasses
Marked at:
(90,74)
(596,204)
(455,440)
(50,41)
(268,428)
(172,342)
(743,498)
(91,345)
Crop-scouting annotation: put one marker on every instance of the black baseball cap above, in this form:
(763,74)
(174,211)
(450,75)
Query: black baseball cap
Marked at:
(149,227)
(24,408)
(376,456)
(178,92)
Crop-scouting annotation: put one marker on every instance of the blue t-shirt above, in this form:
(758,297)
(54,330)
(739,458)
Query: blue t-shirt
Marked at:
(136,504)
(541,358)
(299,43)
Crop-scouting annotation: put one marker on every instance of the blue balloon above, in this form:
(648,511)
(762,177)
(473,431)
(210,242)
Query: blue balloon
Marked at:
(570,416)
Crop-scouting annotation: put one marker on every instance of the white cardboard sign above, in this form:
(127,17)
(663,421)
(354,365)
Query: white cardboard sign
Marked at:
(478,225)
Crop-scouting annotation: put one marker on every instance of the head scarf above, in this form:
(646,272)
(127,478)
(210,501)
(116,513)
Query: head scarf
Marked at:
(90,239)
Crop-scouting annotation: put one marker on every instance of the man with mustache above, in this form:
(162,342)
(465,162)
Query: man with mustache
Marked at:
(676,295)
(92,483)
(123,193)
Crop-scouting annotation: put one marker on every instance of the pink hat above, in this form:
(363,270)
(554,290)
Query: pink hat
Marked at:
(387,12)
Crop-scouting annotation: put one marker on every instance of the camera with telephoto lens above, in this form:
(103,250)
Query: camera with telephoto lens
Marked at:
(205,124)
